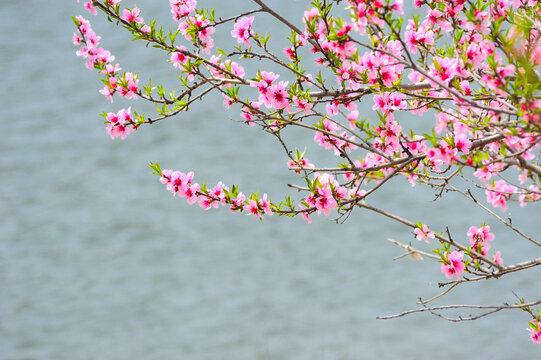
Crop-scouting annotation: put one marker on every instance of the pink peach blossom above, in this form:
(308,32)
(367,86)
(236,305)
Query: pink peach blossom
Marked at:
(242,30)
(453,265)
(424,233)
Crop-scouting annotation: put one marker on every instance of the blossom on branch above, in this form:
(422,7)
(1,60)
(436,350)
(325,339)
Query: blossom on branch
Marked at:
(453,265)
(472,67)
(243,30)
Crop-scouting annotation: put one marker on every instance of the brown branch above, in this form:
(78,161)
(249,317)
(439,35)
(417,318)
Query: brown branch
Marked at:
(475,144)
(411,251)
(364,90)
(520,162)
(268,10)
(472,253)
(469,196)
(493,308)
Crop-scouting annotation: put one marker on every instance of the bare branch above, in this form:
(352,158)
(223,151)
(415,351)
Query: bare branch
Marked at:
(412,252)
(493,308)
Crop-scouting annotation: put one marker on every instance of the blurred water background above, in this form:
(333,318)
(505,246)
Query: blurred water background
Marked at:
(99,261)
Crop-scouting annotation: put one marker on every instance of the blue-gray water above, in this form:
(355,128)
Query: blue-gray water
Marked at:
(98,261)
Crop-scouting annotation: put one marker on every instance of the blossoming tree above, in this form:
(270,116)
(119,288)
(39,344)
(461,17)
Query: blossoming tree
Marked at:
(473,67)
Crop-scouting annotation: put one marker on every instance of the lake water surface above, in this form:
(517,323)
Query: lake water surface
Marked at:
(98,261)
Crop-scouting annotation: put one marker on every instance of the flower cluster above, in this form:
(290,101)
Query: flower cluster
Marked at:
(273,96)
(480,242)
(182,185)
(299,164)
(98,58)
(472,68)
(182,8)
(89,42)
(120,123)
(326,193)
(198,30)
(194,27)
(331,138)
(499,192)
(479,238)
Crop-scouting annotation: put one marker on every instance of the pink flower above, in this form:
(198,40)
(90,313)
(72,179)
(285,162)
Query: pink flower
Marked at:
(228,101)
(263,82)
(453,265)
(145,29)
(111,69)
(497,258)
(198,29)
(166,176)
(191,193)
(242,30)
(237,203)
(207,202)
(303,104)
(178,183)
(389,102)
(309,15)
(535,332)
(344,145)
(481,24)
(415,77)
(325,200)
(178,58)
(181,8)
(481,235)
(278,96)
(302,163)
(232,67)
(332,108)
(433,156)
(418,38)
(218,193)
(290,53)
(129,88)
(120,124)
(326,140)
(352,118)
(251,207)
(499,193)
(305,214)
(344,48)
(107,92)
(532,194)
(112,2)
(88,6)
(131,15)
(462,143)
(397,6)
(103,56)
(443,69)
(479,239)
(265,205)
(447,153)
(423,233)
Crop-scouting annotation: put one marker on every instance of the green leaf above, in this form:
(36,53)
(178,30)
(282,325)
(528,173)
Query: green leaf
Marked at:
(156,167)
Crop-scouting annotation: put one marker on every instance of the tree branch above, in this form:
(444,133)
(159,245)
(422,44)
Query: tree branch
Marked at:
(493,308)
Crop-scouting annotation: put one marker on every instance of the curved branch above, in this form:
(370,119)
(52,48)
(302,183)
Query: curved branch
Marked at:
(268,10)
(493,308)
(472,253)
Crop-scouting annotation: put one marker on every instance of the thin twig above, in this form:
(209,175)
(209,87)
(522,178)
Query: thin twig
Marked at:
(411,250)
(494,308)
